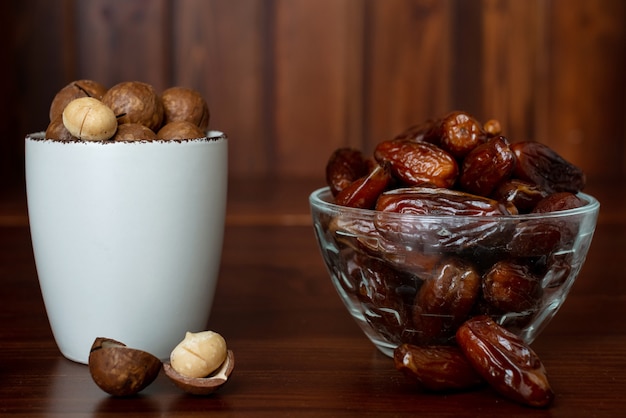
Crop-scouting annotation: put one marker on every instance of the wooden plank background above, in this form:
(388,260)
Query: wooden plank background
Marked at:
(291,80)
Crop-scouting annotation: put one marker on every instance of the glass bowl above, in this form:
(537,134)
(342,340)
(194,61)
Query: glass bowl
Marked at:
(416,279)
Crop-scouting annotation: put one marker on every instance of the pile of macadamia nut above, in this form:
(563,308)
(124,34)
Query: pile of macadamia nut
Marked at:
(85,110)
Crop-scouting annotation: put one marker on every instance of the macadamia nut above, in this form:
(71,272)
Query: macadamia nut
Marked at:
(180,103)
(180,129)
(199,354)
(135,102)
(75,90)
(89,119)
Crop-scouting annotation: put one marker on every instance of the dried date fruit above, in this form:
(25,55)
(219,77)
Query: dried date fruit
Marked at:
(385,294)
(492,128)
(544,236)
(487,166)
(524,195)
(445,300)
(510,287)
(344,166)
(356,234)
(534,237)
(382,285)
(459,133)
(436,368)
(469,229)
(418,163)
(440,201)
(557,202)
(413,260)
(422,131)
(541,165)
(505,361)
(364,192)
(558,269)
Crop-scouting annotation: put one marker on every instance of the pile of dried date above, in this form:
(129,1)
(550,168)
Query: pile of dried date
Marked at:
(442,323)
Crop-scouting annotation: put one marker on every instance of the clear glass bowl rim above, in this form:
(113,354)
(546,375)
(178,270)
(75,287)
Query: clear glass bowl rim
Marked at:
(316,200)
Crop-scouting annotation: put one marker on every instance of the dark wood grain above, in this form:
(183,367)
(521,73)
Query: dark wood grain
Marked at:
(223,48)
(124,41)
(581,34)
(290,81)
(298,353)
(408,64)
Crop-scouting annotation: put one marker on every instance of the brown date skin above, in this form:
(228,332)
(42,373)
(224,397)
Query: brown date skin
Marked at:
(445,300)
(538,237)
(487,166)
(381,285)
(559,267)
(421,131)
(533,238)
(344,166)
(522,194)
(440,201)
(492,128)
(505,361)
(541,165)
(436,368)
(437,201)
(457,133)
(510,287)
(417,163)
(352,233)
(558,201)
(364,192)
(385,294)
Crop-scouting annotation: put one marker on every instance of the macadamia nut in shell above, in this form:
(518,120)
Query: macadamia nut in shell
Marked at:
(75,90)
(135,102)
(179,130)
(129,132)
(184,104)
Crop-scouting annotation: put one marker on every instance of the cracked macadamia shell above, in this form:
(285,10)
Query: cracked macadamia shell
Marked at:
(75,90)
(202,386)
(120,370)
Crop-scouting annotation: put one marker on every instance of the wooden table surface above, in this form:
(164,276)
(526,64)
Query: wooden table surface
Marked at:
(298,353)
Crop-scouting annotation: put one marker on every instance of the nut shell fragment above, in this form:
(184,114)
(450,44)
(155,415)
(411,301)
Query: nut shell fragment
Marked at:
(120,370)
(202,385)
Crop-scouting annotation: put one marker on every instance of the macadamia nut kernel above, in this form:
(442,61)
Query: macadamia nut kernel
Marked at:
(199,354)
(89,119)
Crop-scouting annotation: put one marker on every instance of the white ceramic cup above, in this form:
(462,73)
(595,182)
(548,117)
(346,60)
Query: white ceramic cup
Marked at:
(127,238)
